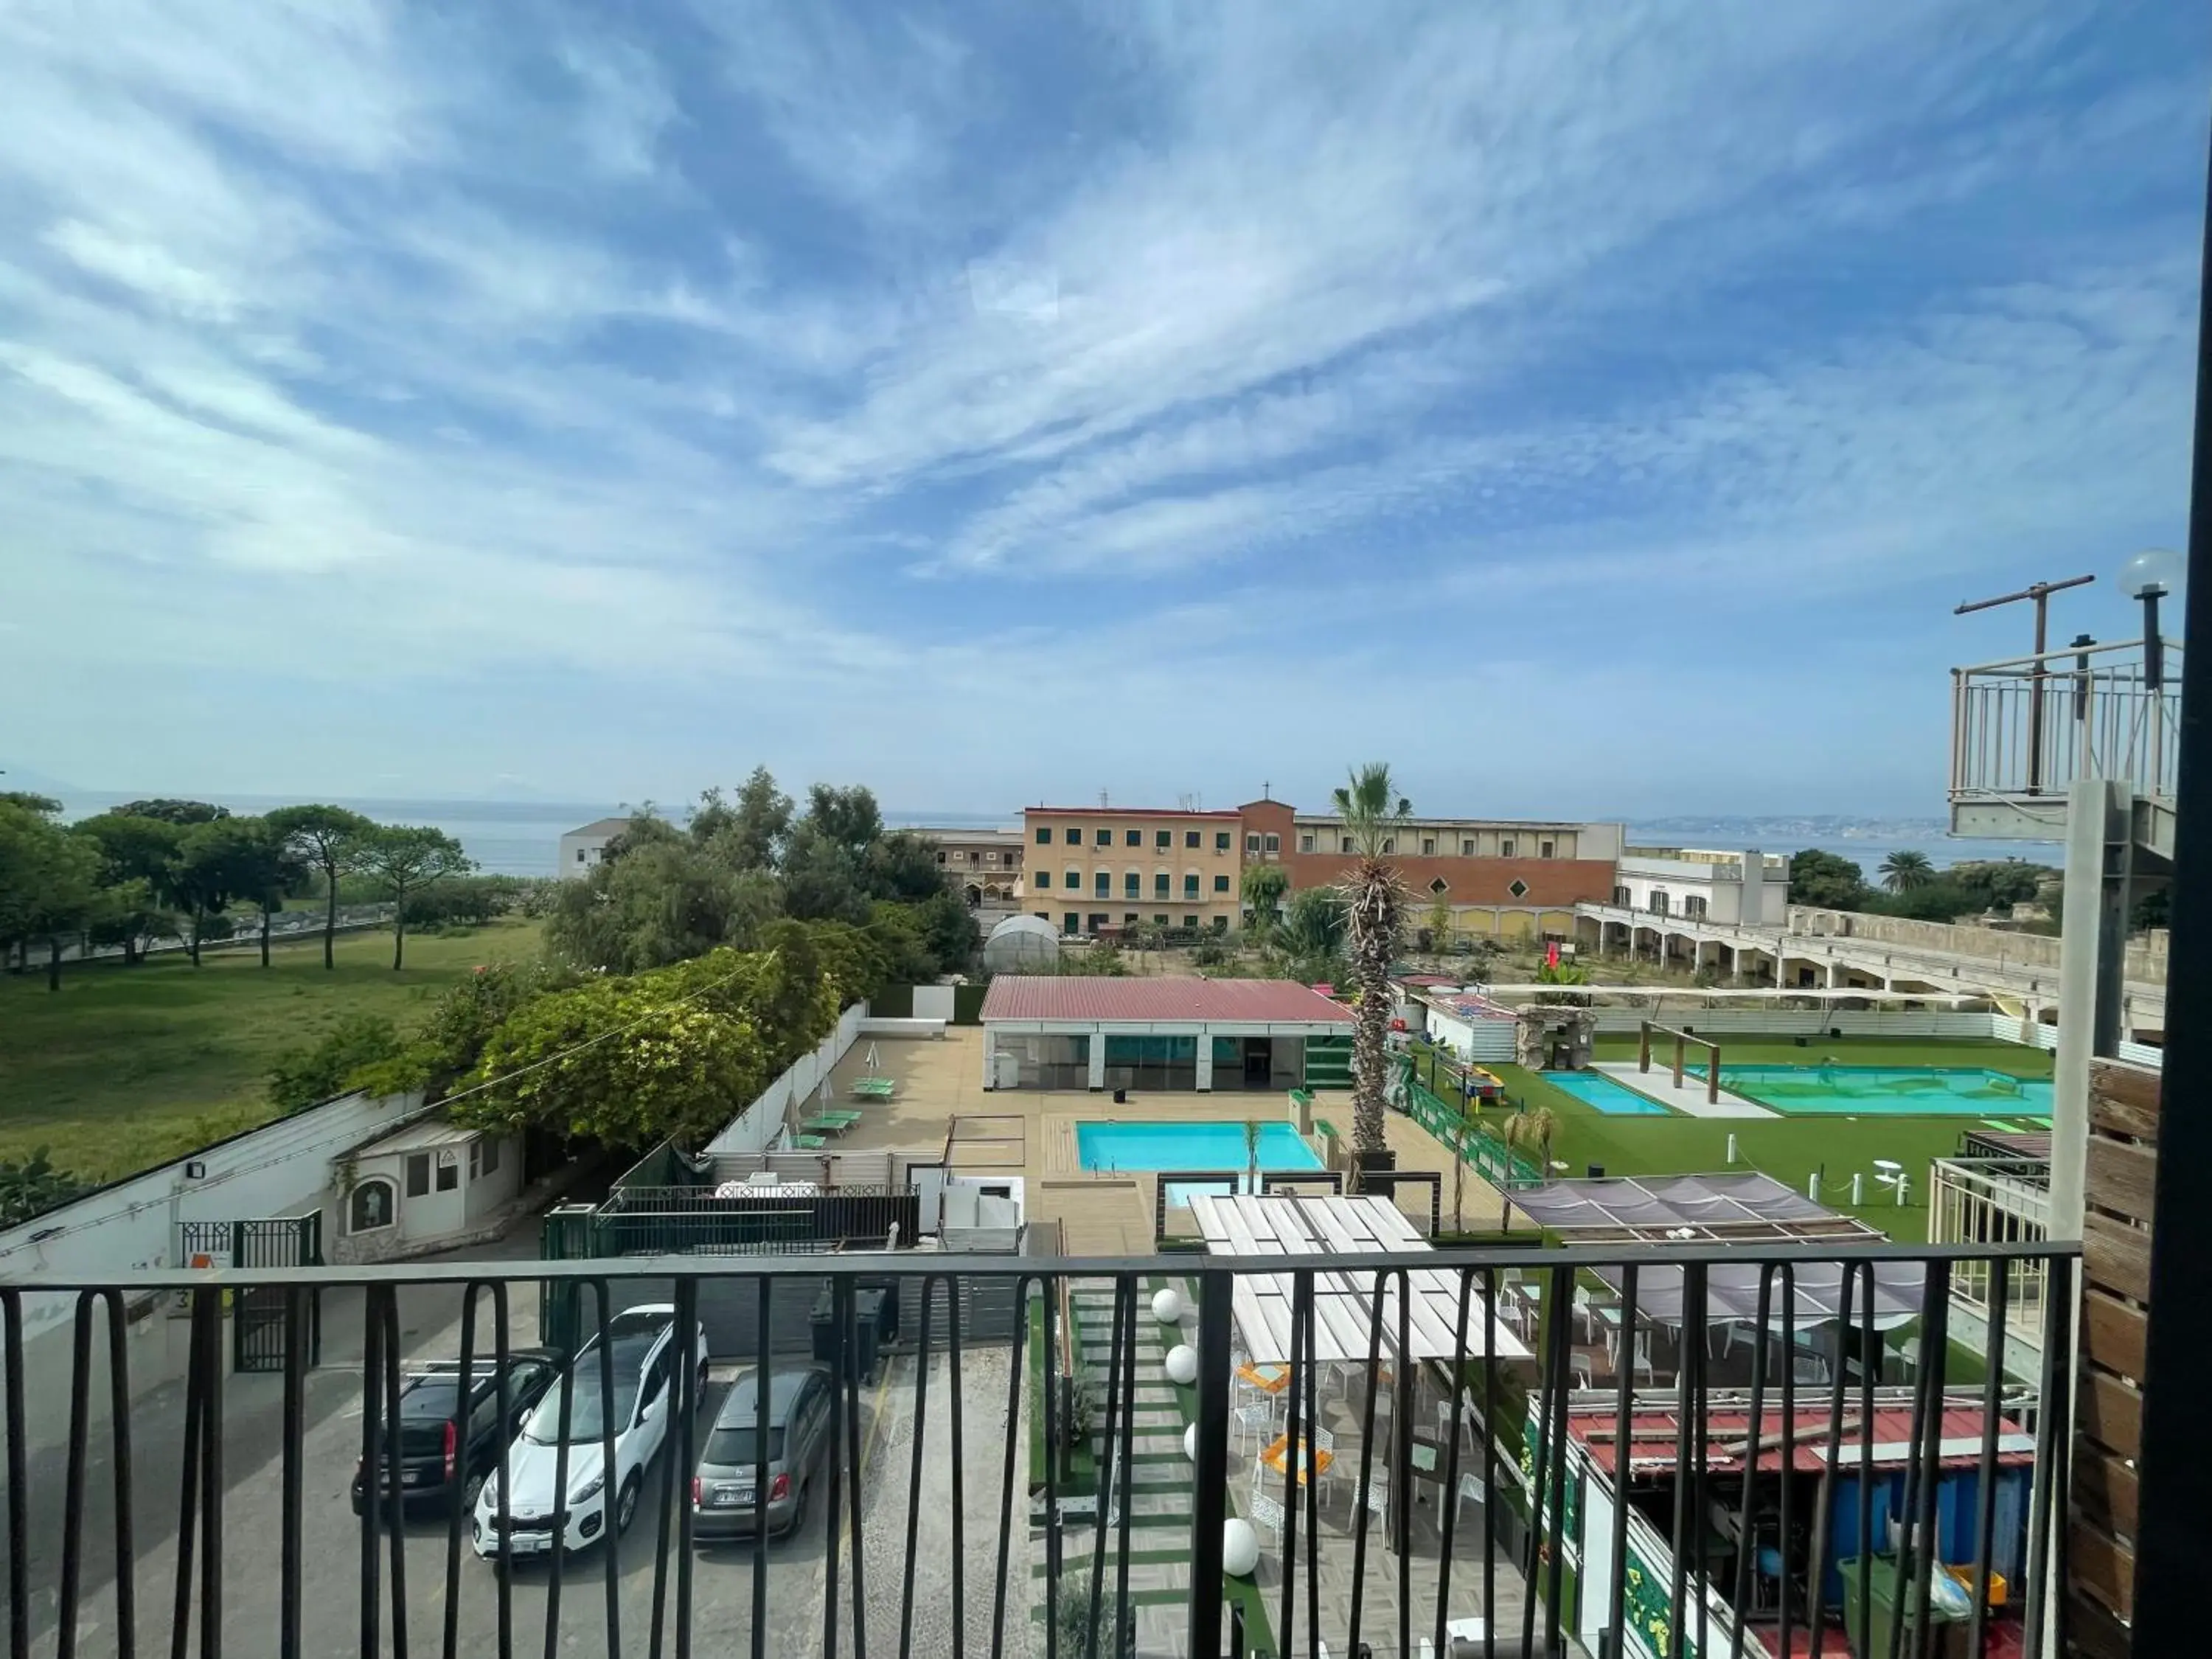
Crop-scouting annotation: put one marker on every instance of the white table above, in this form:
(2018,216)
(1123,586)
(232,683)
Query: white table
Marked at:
(1466,1630)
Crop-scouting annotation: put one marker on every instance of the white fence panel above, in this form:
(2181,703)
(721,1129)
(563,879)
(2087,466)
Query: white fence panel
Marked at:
(754,1128)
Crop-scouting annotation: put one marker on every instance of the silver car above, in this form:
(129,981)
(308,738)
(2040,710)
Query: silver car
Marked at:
(797,1440)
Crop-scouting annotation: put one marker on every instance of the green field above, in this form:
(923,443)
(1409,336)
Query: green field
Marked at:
(126,1066)
(1788,1149)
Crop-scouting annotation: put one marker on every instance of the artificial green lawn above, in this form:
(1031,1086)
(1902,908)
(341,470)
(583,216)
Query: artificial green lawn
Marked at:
(1788,1148)
(124,1067)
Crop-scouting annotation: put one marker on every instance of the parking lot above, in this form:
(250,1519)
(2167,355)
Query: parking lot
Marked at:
(723,1575)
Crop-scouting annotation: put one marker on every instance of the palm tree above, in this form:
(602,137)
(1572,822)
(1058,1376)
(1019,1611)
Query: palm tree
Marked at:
(1252,1156)
(1375,920)
(1907,869)
(1532,1129)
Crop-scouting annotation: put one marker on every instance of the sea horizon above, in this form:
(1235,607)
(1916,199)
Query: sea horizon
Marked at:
(523,837)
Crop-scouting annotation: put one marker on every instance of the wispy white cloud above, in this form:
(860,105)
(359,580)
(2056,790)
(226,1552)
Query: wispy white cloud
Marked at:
(785,353)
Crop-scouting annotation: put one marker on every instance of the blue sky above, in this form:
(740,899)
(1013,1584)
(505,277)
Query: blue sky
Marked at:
(1590,409)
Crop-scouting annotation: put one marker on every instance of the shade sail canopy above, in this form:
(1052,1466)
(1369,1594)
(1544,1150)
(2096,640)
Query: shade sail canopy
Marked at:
(1344,1299)
(1813,1292)
(1727,1208)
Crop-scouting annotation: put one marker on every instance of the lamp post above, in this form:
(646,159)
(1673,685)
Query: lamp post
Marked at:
(2152,575)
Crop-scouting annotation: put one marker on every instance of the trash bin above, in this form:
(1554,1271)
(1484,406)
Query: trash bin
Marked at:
(867,1333)
(1886,1579)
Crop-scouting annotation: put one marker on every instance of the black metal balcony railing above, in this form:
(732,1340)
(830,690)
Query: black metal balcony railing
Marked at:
(1697,1501)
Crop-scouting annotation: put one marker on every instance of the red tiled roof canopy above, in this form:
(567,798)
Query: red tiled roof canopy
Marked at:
(1022,996)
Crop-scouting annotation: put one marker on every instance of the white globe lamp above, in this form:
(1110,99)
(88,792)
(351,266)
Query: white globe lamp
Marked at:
(1167,1305)
(1240,1548)
(1182,1363)
(1190,1443)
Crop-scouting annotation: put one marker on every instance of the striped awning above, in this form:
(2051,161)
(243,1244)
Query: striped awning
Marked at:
(1344,1298)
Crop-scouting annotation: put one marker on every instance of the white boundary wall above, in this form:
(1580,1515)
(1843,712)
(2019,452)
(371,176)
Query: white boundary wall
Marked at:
(282,1169)
(753,1129)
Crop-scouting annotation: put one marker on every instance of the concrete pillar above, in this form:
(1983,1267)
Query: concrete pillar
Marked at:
(1097,1061)
(1835,973)
(1205,1062)
(990,1058)
(2092,953)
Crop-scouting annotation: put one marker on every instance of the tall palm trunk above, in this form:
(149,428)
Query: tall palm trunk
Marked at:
(1375,922)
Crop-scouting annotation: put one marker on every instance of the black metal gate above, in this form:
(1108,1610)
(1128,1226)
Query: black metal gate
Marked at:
(257,1314)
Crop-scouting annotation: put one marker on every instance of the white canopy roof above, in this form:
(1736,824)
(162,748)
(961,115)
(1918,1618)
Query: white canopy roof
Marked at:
(1344,1300)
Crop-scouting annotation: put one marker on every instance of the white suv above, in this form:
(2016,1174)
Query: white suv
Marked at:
(642,1343)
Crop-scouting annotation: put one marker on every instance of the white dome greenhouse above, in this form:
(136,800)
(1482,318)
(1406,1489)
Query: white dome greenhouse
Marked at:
(1021,944)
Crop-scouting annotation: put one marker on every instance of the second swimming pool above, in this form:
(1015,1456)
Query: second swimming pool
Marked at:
(1831,1090)
(1596,1089)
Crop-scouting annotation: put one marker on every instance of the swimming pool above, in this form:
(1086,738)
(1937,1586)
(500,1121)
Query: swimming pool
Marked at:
(1596,1090)
(1188,1146)
(1961,1091)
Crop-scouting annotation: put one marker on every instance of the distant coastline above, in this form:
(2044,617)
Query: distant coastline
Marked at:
(505,837)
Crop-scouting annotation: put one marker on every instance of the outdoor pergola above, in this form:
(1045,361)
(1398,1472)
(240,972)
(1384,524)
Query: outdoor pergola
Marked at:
(1344,1300)
(1752,1210)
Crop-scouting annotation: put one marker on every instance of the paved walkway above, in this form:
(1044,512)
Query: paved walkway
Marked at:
(1690,1098)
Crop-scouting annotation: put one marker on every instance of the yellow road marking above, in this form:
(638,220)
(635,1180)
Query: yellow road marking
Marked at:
(867,1454)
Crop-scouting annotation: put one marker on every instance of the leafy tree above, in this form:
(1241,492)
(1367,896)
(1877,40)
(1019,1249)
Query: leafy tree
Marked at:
(402,858)
(2154,909)
(1440,923)
(220,860)
(1937,900)
(673,1054)
(749,833)
(823,878)
(847,818)
(264,872)
(1904,869)
(329,841)
(450,1043)
(1262,889)
(32,1186)
(904,866)
(665,900)
(138,866)
(2000,884)
(950,930)
(129,915)
(1375,904)
(45,807)
(1310,936)
(897,929)
(332,1066)
(1826,879)
(185,813)
(49,884)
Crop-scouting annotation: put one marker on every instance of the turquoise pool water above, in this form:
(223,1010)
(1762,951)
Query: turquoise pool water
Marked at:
(1614,1099)
(1188,1146)
(1866,1091)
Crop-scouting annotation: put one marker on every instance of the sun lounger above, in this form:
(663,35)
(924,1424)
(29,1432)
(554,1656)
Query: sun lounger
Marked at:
(830,1123)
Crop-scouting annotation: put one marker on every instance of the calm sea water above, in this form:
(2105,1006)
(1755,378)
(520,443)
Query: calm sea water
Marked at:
(506,838)
(522,838)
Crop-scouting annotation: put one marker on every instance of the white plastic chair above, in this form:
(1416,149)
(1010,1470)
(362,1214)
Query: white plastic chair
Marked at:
(1472,1490)
(1257,1418)
(1267,1510)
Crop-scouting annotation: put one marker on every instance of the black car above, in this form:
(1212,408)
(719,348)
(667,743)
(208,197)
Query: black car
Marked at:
(435,1467)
